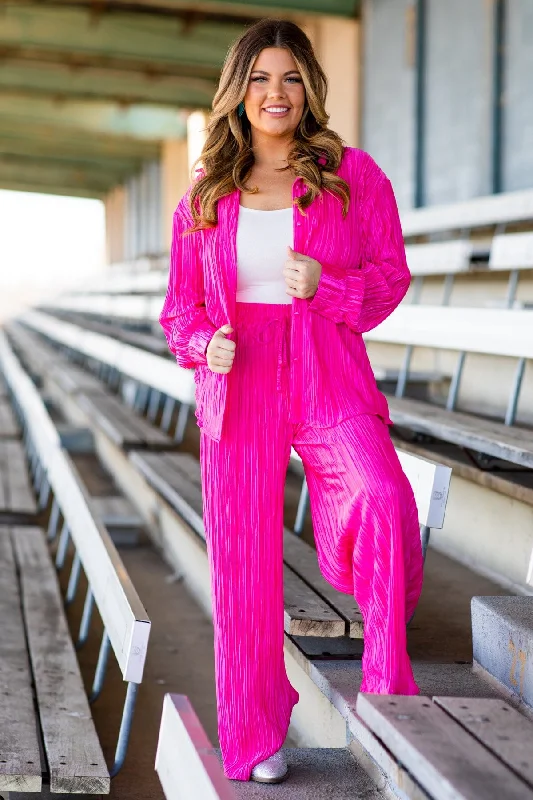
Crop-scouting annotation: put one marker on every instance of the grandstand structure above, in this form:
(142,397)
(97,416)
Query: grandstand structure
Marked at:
(100,494)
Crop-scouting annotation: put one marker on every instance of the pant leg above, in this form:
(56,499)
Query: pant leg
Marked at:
(243,479)
(367,537)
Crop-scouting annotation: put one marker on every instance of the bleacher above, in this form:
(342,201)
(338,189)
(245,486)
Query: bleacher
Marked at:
(98,356)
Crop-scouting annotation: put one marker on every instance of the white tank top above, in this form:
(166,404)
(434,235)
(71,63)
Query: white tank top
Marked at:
(262,241)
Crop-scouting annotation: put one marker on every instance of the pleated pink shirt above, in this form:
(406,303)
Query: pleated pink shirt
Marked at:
(364,277)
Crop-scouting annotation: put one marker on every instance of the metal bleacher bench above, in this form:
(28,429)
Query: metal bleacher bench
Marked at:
(494,332)
(471,235)
(312,606)
(44,701)
(189,767)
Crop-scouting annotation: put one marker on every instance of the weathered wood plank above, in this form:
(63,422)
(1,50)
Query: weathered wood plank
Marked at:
(20,759)
(9,426)
(75,759)
(175,476)
(446,760)
(494,438)
(123,425)
(306,614)
(16,494)
(498,726)
(302,560)
(72,379)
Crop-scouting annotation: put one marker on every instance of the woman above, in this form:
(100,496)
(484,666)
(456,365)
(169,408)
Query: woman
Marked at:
(285,250)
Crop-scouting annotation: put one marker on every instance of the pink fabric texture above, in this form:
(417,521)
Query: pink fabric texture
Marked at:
(366,532)
(301,376)
(364,277)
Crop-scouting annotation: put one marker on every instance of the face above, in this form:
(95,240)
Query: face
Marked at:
(275,97)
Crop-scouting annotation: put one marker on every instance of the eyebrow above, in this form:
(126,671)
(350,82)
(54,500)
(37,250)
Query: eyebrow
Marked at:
(290,72)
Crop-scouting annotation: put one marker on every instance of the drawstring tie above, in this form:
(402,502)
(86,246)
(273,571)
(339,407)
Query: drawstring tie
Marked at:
(283,350)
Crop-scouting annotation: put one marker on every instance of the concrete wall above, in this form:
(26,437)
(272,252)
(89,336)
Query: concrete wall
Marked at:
(338,48)
(458,96)
(518,97)
(388,130)
(458,100)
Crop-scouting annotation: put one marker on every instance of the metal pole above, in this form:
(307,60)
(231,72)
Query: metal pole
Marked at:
(101,667)
(424,536)
(456,381)
(510,414)
(181,424)
(73,580)
(404,372)
(85,624)
(153,405)
(52,522)
(125,728)
(62,546)
(167,414)
(44,494)
(303,505)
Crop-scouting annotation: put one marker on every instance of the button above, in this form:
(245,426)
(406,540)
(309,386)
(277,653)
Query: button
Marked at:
(296,313)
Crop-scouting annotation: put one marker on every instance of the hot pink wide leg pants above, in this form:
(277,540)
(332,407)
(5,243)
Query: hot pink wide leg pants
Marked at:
(366,531)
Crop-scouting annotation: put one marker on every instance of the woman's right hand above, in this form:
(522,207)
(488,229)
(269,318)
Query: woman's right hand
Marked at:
(221,351)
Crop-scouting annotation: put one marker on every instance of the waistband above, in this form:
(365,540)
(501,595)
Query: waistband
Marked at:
(261,312)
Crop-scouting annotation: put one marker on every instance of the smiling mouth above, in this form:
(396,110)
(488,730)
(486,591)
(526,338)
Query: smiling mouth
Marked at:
(277,111)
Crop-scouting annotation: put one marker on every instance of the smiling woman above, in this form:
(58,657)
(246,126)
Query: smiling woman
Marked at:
(286,249)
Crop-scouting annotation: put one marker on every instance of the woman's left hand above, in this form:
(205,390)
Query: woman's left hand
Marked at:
(301,275)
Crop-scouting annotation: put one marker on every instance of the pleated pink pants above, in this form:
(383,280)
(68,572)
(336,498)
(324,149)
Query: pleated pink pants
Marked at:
(366,531)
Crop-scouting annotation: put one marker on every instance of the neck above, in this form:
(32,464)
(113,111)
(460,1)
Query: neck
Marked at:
(270,151)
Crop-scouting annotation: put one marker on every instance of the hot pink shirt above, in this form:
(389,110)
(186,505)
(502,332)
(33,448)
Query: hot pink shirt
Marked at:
(364,277)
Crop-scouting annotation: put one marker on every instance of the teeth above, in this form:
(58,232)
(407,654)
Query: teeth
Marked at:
(274,110)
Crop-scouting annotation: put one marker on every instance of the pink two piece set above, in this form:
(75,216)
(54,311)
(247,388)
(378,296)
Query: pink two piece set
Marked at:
(301,378)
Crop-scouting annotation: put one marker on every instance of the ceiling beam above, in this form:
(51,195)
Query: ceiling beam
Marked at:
(48,188)
(123,87)
(221,10)
(46,153)
(151,124)
(18,142)
(34,172)
(49,140)
(123,40)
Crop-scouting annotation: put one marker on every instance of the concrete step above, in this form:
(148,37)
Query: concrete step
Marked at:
(502,634)
(315,773)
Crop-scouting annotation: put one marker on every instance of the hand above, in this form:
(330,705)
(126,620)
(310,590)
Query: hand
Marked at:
(301,275)
(221,351)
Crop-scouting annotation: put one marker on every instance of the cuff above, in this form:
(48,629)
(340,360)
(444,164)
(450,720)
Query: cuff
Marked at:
(329,296)
(199,342)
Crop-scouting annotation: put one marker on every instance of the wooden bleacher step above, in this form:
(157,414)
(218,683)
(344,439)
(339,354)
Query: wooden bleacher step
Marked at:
(9,427)
(20,758)
(124,427)
(502,633)
(17,501)
(318,611)
(189,767)
(455,747)
(75,760)
(493,438)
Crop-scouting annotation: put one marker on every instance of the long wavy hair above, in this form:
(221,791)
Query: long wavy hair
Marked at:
(227,156)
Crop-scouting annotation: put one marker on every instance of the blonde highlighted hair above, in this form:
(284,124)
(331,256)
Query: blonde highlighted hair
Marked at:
(227,157)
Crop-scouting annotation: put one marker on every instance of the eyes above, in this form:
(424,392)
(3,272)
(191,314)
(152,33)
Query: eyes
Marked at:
(263,79)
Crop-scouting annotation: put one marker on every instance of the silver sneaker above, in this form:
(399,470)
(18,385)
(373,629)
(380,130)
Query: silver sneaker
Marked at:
(273,770)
